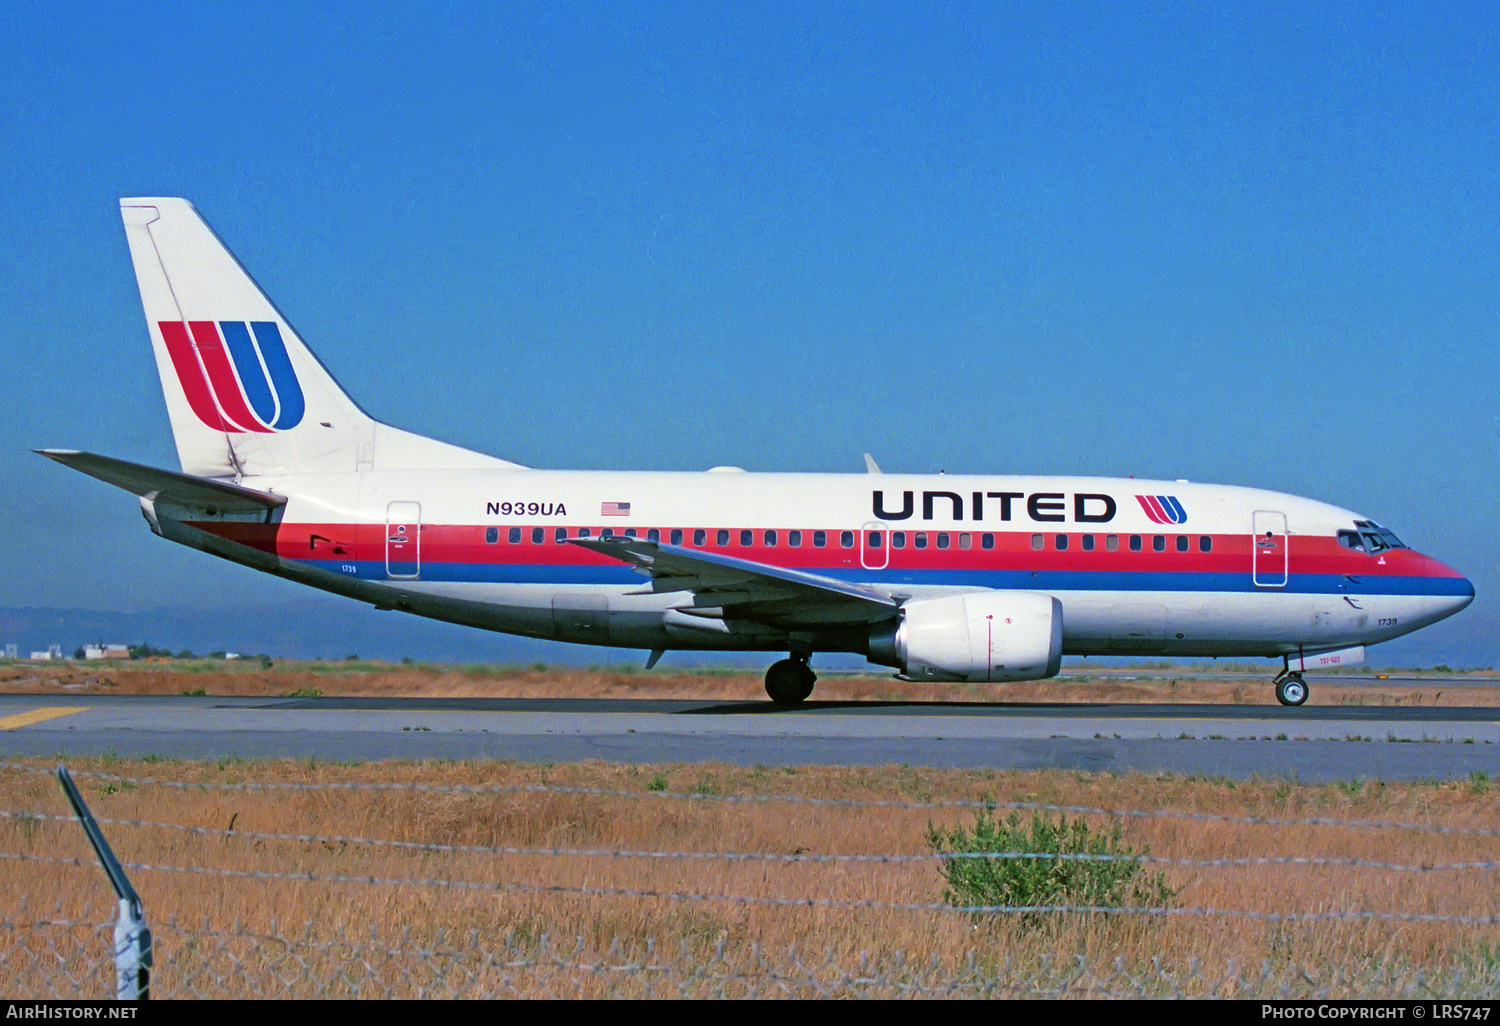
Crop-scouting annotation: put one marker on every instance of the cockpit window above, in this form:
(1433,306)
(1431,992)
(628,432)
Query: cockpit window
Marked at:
(1351,539)
(1376,538)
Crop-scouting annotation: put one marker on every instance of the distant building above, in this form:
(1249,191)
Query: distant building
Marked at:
(11,652)
(102,651)
(54,651)
(41,656)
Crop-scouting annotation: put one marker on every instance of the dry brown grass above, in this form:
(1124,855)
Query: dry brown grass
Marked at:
(384,680)
(370,939)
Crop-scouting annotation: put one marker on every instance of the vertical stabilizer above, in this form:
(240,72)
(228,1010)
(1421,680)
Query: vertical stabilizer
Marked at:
(245,395)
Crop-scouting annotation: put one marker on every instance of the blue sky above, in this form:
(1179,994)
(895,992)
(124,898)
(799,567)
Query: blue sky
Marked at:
(1245,243)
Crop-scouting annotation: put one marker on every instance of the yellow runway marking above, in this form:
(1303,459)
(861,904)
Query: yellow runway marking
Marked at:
(26,719)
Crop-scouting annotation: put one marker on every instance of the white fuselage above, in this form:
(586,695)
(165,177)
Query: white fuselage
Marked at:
(1244,571)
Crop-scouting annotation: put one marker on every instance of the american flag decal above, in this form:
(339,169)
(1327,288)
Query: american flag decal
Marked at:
(614,509)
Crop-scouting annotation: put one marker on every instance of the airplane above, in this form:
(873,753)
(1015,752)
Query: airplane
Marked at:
(946,578)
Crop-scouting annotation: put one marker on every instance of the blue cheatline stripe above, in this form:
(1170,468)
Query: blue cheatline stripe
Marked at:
(247,364)
(283,378)
(1179,515)
(1011,580)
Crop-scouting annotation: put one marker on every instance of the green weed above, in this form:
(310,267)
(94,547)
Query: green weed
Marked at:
(1044,862)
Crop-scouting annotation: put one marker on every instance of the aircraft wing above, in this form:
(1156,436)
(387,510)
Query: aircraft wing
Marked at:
(183,489)
(746,589)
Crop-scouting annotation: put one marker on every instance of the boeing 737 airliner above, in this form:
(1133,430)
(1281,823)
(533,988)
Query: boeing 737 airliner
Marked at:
(945,578)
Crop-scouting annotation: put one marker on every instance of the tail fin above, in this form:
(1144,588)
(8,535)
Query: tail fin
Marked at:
(245,395)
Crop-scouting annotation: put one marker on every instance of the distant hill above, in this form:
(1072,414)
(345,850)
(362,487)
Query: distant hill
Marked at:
(316,628)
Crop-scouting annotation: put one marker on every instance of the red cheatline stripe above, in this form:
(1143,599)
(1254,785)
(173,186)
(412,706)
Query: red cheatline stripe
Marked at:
(462,543)
(190,374)
(221,374)
(1155,514)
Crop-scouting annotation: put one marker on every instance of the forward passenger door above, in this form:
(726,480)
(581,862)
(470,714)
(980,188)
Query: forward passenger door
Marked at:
(1269,549)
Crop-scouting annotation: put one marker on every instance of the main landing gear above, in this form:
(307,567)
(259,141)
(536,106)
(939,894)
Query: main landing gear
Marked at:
(1291,689)
(790,681)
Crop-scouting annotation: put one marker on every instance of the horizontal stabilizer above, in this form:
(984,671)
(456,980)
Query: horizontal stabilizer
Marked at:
(149,482)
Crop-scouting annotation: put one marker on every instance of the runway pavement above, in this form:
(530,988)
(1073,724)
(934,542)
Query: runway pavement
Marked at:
(1313,743)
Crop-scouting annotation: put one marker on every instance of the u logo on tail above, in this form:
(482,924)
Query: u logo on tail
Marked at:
(236,374)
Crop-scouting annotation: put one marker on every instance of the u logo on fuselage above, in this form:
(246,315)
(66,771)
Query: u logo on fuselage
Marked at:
(236,374)
(1163,509)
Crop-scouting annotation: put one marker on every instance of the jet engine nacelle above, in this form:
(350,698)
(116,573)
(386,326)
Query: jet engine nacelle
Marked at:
(978,636)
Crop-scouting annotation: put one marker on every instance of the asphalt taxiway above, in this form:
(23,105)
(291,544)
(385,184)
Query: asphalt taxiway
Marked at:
(1311,743)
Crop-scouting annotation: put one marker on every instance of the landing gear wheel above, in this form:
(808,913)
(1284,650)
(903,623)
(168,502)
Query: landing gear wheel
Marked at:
(808,680)
(1291,689)
(789,681)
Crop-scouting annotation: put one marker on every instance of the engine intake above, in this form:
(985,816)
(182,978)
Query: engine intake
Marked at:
(977,636)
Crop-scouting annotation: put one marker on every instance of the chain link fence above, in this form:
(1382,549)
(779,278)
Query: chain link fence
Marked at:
(65,954)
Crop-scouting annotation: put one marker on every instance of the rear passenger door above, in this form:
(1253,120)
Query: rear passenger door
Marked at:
(403,540)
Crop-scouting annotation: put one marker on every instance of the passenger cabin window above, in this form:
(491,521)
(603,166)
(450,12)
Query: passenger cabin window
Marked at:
(966,540)
(630,532)
(1182,543)
(608,532)
(794,539)
(583,532)
(560,535)
(875,539)
(492,535)
(846,539)
(1206,543)
(538,535)
(942,539)
(747,539)
(1088,543)
(1062,542)
(676,536)
(515,535)
(722,538)
(653,535)
(987,540)
(770,539)
(700,537)
(920,539)
(1038,542)
(898,539)
(1135,543)
(1112,542)
(820,538)
(1158,543)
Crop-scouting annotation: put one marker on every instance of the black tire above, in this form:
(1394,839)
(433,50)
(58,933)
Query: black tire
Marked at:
(808,680)
(1291,690)
(785,682)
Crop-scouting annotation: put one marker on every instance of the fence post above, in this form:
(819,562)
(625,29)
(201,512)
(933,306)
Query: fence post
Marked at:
(132,949)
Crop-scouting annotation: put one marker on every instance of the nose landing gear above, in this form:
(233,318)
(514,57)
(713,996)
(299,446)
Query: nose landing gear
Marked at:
(1291,689)
(790,681)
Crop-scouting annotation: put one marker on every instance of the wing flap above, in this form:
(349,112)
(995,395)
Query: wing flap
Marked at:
(745,588)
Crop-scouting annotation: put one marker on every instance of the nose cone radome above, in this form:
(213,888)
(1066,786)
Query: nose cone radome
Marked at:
(1459,591)
(1466,596)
